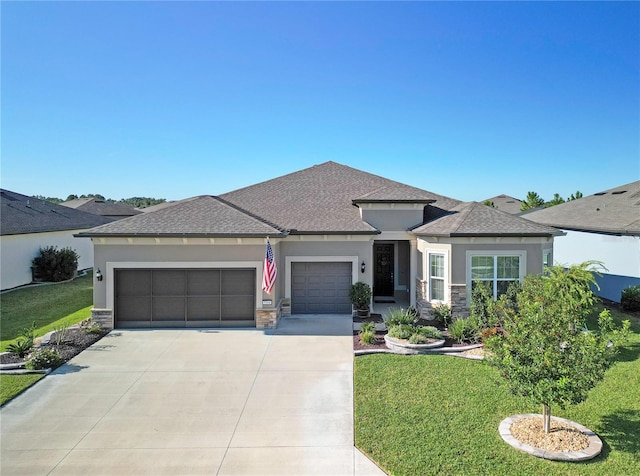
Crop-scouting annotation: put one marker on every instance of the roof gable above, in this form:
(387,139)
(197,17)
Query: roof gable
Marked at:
(615,211)
(476,219)
(22,215)
(199,216)
(505,203)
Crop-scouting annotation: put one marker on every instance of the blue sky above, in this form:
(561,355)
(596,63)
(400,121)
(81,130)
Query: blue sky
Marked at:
(172,100)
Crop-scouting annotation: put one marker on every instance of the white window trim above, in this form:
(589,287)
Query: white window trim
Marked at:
(522,271)
(354,260)
(445,278)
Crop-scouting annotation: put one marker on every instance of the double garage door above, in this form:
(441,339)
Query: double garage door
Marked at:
(185,297)
(320,288)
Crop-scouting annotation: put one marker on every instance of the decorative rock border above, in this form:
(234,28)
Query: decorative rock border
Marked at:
(405,348)
(593,450)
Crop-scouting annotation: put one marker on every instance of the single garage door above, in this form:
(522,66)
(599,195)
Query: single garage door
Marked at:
(320,288)
(185,297)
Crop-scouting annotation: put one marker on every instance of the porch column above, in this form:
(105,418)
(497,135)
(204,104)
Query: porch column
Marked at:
(413,270)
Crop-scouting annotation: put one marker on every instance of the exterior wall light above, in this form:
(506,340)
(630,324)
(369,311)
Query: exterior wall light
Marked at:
(98,275)
(363,267)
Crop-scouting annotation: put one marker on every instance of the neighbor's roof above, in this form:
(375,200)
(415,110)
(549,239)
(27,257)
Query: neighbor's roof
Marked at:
(615,211)
(22,214)
(477,219)
(198,216)
(320,199)
(505,203)
(101,207)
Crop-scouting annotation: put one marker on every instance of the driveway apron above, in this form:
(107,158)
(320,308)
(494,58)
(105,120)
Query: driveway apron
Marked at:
(182,402)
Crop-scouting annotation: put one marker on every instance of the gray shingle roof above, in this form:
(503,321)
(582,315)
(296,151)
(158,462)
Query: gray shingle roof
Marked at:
(615,211)
(505,203)
(101,207)
(22,214)
(320,199)
(199,216)
(476,219)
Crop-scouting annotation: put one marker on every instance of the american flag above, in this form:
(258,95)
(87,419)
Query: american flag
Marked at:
(270,270)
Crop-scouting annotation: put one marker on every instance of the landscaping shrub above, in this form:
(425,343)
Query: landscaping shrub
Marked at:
(417,339)
(630,298)
(442,314)
(43,359)
(401,331)
(367,333)
(429,332)
(55,265)
(466,329)
(481,302)
(367,337)
(92,327)
(399,316)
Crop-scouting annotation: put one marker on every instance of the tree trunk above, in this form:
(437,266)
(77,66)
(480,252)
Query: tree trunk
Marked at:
(546,418)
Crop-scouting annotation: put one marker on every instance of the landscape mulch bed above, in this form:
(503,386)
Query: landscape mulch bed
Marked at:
(74,342)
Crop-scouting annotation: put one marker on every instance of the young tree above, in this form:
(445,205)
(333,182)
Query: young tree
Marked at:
(545,352)
(533,200)
(577,195)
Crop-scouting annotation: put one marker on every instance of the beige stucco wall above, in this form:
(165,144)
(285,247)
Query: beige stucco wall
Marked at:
(114,253)
(18,251)
(393,220)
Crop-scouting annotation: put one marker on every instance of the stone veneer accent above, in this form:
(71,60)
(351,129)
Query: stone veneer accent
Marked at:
(104,317)
(457,295)
(267,318)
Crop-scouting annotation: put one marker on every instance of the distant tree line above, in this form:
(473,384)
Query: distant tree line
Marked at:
(533,200)
(135,202)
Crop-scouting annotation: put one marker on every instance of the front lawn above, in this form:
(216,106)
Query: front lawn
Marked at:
(431,414)
(47,306)
(12,385)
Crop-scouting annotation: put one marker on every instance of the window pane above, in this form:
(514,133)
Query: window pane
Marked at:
(437,289)
(437,265)
(508,267)
(481,267)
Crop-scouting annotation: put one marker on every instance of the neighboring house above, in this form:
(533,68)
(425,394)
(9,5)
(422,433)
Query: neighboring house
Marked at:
(199,261)
(28,224)
(114,211)
(603,227)
(505,203)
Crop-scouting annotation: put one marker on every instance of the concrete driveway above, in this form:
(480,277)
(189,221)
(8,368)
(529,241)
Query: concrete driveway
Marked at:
(180,402)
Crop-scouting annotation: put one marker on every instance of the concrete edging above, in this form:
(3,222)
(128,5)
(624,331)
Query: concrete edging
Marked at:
(593,450)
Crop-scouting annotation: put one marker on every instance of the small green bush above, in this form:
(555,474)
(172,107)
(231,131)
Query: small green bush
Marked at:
(367,337)
(429,332)
(399,317)
(401,331)
(417,339)
(43,359)
(466,330)
(55,265)
(92,327)
(442,314)
(368,327)
(360,295)
(630,298)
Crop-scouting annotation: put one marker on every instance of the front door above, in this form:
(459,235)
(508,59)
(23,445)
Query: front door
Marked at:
(383,270)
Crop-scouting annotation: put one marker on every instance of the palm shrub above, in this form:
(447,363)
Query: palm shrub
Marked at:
(466,329)
(24,343)
(400,316)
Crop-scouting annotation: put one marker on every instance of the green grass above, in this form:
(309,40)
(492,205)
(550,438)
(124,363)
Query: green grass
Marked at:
(47,306)
(12,385)
(424,415)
